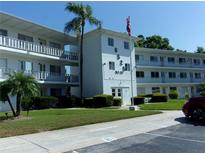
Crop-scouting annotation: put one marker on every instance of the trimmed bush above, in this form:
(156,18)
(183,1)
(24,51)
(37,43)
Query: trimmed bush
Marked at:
(103,100)
(202,93)
(68,102)
(138,100)
(89,102)
(158,97)
(117,101)
(173,95)
(26,103)
(44,102)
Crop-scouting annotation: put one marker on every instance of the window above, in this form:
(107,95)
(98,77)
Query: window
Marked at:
(155,74)
(25,38)
(110,41)
(183,75)
(26,66)
(173,88)
(3,32)
(182,60)
(140,74)
(171,60)
(55,70)
(172,75)
(196,61)
(153,58)
(113,92)
(127,67)
(126,45)
(139,58)
(111,65)
(155,89)
(197,75)
(3,63)
(54,45)
(119,92)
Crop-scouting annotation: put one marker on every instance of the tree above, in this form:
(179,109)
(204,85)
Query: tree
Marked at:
(5,89)
(200,50)
(202,89)
(154,42)
(83,14)
(22,85)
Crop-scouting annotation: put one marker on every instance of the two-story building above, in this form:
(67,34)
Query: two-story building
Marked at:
(38,51)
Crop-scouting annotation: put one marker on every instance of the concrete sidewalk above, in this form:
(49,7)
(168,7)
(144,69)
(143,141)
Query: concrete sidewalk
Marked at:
(78,137)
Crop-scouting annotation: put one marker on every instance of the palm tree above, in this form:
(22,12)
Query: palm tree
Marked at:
(83,14)
(5,89)
(22,86)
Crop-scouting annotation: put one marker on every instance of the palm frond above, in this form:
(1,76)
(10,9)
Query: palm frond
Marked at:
(73,25)
(74,8)
(94,21)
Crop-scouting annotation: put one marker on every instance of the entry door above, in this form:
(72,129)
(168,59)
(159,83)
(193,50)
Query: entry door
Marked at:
(42,69)
(126,96)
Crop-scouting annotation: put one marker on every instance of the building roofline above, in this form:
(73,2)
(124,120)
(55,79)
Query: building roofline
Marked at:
(149,50)
(103,30)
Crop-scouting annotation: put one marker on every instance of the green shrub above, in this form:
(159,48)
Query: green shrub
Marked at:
(202,93)
(149,95)
(26,103)
(43,102)
(68,102)
(138,100)
(173,95)
(88,102)
(117,101)
(187,96)
(158,97)
(103,100)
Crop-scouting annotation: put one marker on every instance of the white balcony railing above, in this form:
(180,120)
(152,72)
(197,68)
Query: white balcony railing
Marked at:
(42,76)
(32,47)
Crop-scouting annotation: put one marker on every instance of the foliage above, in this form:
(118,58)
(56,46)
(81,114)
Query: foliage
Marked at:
(68,102)
(138,100)
(44,102)
(117,101)
(158,97)
(200,50)
(154,42)
(89,102)
(173,94)
(22,86)
(103,100)
(83,14)
(202,89)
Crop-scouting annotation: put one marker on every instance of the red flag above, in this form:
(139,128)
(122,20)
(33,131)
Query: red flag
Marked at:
(128,26)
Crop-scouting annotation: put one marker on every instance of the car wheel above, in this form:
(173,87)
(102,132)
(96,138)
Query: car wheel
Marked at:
(197,113)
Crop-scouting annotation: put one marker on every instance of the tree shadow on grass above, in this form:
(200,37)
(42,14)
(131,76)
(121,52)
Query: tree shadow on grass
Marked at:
(185,120)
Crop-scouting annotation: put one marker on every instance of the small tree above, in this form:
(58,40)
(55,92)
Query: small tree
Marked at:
(5,89)
(202,89)
(22,86)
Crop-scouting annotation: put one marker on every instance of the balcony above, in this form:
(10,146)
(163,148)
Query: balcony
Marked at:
(43,76)
(40,49)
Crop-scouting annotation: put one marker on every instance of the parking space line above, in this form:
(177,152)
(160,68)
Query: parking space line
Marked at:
(177,138)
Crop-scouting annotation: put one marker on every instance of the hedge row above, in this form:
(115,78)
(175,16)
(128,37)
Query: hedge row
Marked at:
(43,102)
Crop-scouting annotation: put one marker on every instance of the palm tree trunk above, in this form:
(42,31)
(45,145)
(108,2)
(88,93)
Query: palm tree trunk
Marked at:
(11,106)
(18,104)
(81,64)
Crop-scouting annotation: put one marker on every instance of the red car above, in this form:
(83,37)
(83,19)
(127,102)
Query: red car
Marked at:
(195,108)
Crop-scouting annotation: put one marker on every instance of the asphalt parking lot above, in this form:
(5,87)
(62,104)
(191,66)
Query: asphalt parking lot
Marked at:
(186,137)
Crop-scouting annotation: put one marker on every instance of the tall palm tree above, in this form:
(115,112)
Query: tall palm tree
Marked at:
(22,86)
(83,14)
(5,89)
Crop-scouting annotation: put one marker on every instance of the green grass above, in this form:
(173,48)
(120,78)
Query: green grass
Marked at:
(51,119)
(175,104)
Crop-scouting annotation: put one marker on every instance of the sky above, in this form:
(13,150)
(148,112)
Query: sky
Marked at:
(183,23)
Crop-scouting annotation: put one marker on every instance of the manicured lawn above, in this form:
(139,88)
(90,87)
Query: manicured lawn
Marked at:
(51,119)
(175,104)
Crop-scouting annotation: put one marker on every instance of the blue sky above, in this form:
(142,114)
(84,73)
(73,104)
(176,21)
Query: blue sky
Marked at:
(182,22)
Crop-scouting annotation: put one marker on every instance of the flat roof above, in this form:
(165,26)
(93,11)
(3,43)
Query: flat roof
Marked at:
(9,20)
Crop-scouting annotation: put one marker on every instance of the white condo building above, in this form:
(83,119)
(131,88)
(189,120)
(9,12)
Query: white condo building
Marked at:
(109,58)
